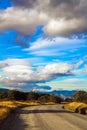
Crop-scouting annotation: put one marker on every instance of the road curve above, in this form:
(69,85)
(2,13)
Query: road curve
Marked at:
(45,117)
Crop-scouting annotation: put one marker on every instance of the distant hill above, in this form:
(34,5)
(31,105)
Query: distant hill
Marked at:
(65,93)
(4,90)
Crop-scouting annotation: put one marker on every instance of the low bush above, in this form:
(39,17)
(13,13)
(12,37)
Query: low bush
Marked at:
(76,107)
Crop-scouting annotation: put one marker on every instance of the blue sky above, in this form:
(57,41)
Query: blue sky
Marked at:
(41,49)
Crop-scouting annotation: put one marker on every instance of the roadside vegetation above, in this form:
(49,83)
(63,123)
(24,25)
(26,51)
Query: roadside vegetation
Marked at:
(79,104)
(29,96)
(13,99)
(77,107)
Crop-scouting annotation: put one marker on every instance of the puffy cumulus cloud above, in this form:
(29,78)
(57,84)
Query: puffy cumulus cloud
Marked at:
(23,21)
(58,17)
(64,27)
(20,75)
(55,70)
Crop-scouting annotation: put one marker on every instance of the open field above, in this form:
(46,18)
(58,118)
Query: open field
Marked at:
(77,107)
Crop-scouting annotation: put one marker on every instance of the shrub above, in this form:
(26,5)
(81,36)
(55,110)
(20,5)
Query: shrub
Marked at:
(76,107)
(16,95)
(80,96)
(3,95)
(82,110)
(32,96)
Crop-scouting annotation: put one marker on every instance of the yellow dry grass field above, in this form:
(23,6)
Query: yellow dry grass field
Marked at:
(7,106)
(76,106)
(14,104)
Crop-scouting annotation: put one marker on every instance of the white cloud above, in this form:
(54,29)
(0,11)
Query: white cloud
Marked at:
(24,21)
(61,27)
(61,68)
(57,46)
(17,75)
(55,16)
(2,65)
(17,62)
(69,84)
(54,42)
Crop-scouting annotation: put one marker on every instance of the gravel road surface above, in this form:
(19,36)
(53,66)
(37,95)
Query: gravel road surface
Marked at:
(44,117)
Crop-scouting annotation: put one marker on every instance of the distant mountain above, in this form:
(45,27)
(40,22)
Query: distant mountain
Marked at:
(64,93)
(4,90)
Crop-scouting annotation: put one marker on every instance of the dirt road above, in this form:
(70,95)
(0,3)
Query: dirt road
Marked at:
(45,117)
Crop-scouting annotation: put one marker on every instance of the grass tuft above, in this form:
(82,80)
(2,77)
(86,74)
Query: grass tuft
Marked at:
(77,107)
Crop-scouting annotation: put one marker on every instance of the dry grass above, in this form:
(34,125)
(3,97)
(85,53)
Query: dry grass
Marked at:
(4,112)
(7,106)
(15,104)
(76,107)
(49,103)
